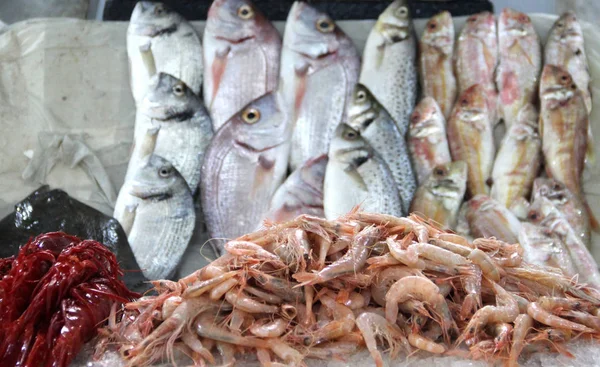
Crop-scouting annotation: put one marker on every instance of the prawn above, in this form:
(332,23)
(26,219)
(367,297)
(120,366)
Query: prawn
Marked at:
(438,254)
(272,329)
(372,325)
(384,280)
(399,252)
(239,299)
(471,281)
(227,352)
(420,342)
(218,291)
(461,250)
(206,327)
(199,288)
(523,323)
(489,269)
(540,315)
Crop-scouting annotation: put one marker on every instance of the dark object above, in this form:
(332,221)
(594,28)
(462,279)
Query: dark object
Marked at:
(58,291)
(338,9)
(47,210)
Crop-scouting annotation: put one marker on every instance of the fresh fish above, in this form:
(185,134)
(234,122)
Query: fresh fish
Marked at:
(301,193)
(427,139)
(183,127)
(471,139)
(163,217)
(243,167)
(542,212)
(436,48)
(519,64)
(159,39)
(377,127)
(439,197)
(489,218)
(565,47)
(357,175)
(477,57)
(389,67)
(518,160)
(543,248)
(241,54)
(319,68)
(567,203)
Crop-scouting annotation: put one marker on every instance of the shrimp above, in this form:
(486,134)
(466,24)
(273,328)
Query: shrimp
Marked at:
(193,342)
(409,287)
(237,318)
(170,305)
(339,245)
(206,326)
(420,342)
(583,318)
(523,323)
(342,324)
(351,263)
(455,239)
(389,221)
(461,250)
(399,252)
(333,350)
(371,326)
(199,288)
(540,315)
(489,269)
(384,280)
(438,254)
(218,291)
(471,281)
(265,296)
(283,288)
(282,350)
(271,329)
(239,299)
(227,352)
(501,333)
(557,304)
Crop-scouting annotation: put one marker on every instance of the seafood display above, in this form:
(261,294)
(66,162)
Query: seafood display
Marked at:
(53,296)
(400,284)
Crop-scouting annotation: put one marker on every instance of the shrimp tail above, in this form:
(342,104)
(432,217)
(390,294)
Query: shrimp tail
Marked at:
(307,279)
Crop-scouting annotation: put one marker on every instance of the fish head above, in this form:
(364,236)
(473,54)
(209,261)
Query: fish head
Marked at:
(448,178)
(480,25)
(348,146)
(556,85)
(156,179)
(153,18)
(542,211)
(311,32)
(515,24)
(261,125)
(551,189)
(395,23)
(312,172)
(567,29)
(479,202)
(526,124)
(169,98)
(363,108)
(426,119)
(439,32)
(472,104)
(235,20)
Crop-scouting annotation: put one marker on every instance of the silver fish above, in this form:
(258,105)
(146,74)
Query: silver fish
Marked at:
(544,248)
(184,127)
(301,193)
(159,39)
(319,68)
(377,127)
(243,167)
(163,217)
(241,57)
(389,63)
(357,175)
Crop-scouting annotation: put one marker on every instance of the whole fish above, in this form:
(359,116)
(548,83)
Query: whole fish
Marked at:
(518,160)
(182,125)
(488,218)
(477,57)
(544,213)
(565,47)
(427,138)
(439,197)
(389,67)
(159,39)
(377,127)
(319,68)
(567,203)
(519,64)
(357,175)
(471,139)
(163,217)
(241,54)
(543,248)
(301,193)
(244,165)
(436,54)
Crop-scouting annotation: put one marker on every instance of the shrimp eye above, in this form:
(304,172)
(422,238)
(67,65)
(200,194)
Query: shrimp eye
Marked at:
(325,25)
(251,115)
(164,171)
(432,26)
(361,96)
(439,171)
(178,90)
(245,12)
(402,11)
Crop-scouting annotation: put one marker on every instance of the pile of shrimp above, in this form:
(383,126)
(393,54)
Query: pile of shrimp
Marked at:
(315,288)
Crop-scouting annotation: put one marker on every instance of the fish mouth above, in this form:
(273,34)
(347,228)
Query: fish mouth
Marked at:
(235,41)
(394,33)
(151,30)
(164,114)
(150,193)
(320,56)
(254,150)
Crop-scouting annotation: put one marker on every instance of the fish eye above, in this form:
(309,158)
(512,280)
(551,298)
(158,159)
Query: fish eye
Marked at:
(564,78)
(245,12)
(159,9)
(325,25)
(464,102)
(533,215)
(560,197)
(164,171)
(251,115)
(471,19)
(556,186)
(439,171)
(361,96)
(402,11)
(560,24)
(432,25)
(350,134)
(573,86)
(523,18)
(178,90)
(578,52)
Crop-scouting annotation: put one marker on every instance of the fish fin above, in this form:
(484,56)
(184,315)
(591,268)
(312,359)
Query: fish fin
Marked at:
(148,58)
(353,173)
(590,156)
(149,142)
(218,69)
(128,218)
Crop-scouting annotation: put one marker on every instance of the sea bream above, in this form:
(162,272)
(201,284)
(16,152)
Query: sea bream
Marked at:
(319,68)
(439,197)
(182,125)
(357,175)
(159,39)
(436,56)
(161,222)
(389,67)
(427,140)
(377,127)
(241,57)
(471,139)
(565,47)
(519,64)
(477,57)
(243,167)
(301,193)
(518,160)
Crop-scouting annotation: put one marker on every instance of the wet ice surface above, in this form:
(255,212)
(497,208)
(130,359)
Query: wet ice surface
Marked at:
(586,354)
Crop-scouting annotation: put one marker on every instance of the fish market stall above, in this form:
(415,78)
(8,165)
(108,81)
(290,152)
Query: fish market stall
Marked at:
(106,112)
